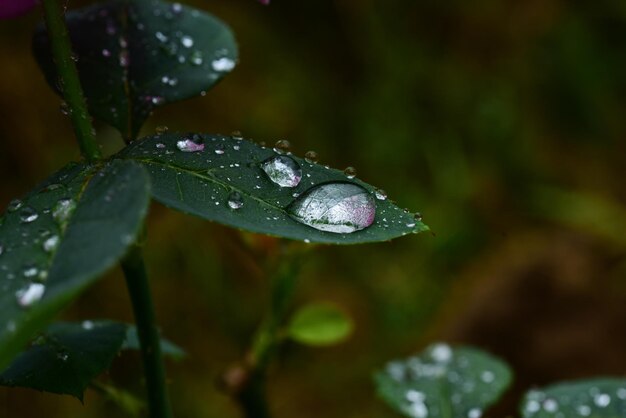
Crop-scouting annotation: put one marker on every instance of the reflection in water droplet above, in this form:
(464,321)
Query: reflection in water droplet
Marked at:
(187,145)
(63,209)
(282,147)
(196,58)
(28,215)
(30,294)
(311,157)
(235,201)
(381,195)
(350,172)
(186,41)
(223,64)
(283,170)
(219,149)
(335,207)
(51,243)
(14,205)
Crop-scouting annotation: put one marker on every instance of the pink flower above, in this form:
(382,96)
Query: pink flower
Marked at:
(14,8)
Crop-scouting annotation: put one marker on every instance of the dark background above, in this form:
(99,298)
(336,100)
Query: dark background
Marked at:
(503,122)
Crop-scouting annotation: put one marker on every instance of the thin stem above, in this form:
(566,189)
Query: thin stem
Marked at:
(143,308)
(69,81)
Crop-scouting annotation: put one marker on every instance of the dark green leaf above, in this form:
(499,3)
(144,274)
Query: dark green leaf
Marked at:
(168,348)
(135,55)
(597,398)
(224,182)
(66,358)
(444,382)
(62,237)
(320,323)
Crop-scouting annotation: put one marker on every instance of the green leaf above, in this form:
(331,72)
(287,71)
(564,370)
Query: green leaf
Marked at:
(131,342)
(66,358)
(597,398)
(224,182)
(444,382)
(320,323)
(60,238)
(135,55)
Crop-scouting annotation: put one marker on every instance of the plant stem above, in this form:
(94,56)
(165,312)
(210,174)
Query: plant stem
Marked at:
(149,338)
(69,82)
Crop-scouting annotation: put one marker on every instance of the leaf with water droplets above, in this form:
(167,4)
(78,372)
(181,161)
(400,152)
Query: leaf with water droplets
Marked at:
(241,184)
(594,398)
(86,218)
(444,382)
(134,56)
(66,357)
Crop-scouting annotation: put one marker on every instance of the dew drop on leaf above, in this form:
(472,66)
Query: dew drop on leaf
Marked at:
(282,147)
(311,157)
(380,194)
(14,205)
(28,215)
(63,210)
(235,201)
(335,207)
(283,170)
(186,41)
(223,64)
(350,172)
(187,145)
(51,243)
(30,294)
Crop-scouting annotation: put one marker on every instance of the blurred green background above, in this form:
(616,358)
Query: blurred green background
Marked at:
(503,122)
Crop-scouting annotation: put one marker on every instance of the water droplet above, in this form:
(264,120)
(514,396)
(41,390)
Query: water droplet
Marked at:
(30,271)
(186,41)
(282,147)
(283,170)
(235,201)
(63,210)
(223,64)
(51,243)
(160,145)
(584,410)
(161,37)
(335,207)
(63,356)
(602,400)
(187,145)
(350,172)
(87,325)
(441,353)
(219,149)
(487,376)
(124,59)
(550,405)
(418,410)
(415,396)
(160,130)
(196,58)
(236,135)
(176,8)
(311,157)
(418,216)
(14,205)
(474,413)
(28,215)
(30,294)
(380,194)
(106,53)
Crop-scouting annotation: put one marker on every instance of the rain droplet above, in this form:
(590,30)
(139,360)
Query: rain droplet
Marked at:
(87,325)
(219,149)
(350,172)
(196,58)
(311,157)
(186,41)
(474,413)
(602,400)
(282,147)
(14,205)
(380,194)
(335,207)
(187,145)
(283,170)
(28,215)
(30,294)
(63,210)
(161,37)
(550,405)
(441,353)
(235,201)
(51,243)
(223,64)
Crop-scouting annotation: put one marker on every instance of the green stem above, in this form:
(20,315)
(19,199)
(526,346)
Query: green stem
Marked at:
(69,81)
(149,338)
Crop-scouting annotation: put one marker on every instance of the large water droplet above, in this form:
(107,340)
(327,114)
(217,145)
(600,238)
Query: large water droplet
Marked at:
(283,170)
(51,243)
(335,207)
(235,201)
(223,64)
(30,294)
(187,145)
(28,215)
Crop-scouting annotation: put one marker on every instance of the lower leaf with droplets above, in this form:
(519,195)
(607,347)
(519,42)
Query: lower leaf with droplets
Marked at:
(60,238)
(241,184)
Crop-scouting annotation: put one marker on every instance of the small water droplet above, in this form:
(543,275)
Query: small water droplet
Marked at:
(196,58)
(161,37)
(160,145)
(14,205)
(28,215)
(283,170)
(63,356)
(51,243)
(87,325)
(176,8)
(550,405)
(186,41)
(335,207)
(282,146)
(311,157)
(106,53)
(30,294)
(380,194)
(30,271)
(474,413)
(63,210)
(441,353)
(223,64)
(235,201)
(124,59)
(350,172)
(187,145)
(236,135)
(602,400)
(219,149)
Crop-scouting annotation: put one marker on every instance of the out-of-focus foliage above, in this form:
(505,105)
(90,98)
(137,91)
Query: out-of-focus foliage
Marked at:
(468,111)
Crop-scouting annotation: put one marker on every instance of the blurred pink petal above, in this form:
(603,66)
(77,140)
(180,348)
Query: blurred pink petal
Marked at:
(265,2)
(14,8)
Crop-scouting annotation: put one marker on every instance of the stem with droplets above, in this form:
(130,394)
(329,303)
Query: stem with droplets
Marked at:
(69,81)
